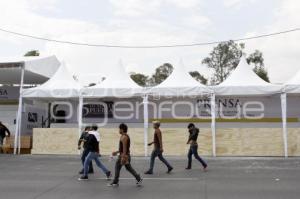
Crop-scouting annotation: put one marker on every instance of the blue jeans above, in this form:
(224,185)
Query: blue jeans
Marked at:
(83,156)
(194,151)
(158,153)
(93,156)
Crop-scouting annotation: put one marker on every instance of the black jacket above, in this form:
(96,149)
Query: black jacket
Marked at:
(84,136)
(92,143)
(193,134)
(3,129)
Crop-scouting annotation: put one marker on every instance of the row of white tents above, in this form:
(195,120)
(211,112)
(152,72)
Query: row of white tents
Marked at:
(242,82)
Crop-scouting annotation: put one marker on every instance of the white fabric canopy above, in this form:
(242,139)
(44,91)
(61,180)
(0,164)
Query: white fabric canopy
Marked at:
(37,69)
(61,85)
(117,84)
(179,83)
(293,85)
(244,81)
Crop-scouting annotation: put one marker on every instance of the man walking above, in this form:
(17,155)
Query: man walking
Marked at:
(193,136)
(158,149)
(3,131)
(85,152)
(92,142)
(124,158)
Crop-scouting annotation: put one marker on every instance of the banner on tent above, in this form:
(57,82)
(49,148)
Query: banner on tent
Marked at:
(9,93)
(32,117)
(98,110)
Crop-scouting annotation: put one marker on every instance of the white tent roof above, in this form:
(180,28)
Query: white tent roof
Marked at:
(117,84)
(37,69)
(293,85)
(61,85)
(179,83)
(244,81)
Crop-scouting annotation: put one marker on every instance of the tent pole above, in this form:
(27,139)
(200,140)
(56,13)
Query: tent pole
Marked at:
(284,125)
(79,116)
(17,142)
(213,123)
(145,102)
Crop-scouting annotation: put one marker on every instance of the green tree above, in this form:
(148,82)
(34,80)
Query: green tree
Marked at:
(257,59)
(223,59)
(161,73)
(32,53)
(197,76)
(140,79)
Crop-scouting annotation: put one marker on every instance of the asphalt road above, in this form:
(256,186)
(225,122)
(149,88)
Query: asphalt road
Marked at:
(55,177)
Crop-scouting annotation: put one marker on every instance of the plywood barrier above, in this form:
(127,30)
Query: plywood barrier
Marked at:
(55,141)
(26,145)
(294,142)
(229,141)
(249,142)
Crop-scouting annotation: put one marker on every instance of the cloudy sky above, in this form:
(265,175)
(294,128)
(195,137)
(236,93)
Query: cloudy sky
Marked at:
(155,22)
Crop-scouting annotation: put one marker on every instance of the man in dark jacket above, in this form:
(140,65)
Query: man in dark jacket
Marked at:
(85,152)
(3,131)
(193,136)
(92,145)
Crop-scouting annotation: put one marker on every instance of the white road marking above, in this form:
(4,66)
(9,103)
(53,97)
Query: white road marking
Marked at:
(158,179)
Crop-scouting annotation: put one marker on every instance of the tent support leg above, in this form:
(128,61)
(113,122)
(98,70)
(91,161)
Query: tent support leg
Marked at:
(79,116)
(213,123)
(17,141)
(284,125)
(145,102)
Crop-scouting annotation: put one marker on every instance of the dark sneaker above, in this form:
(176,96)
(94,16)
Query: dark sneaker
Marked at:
(188,168)
(83,178)
(108,175)
(80,172)
(205,168)
(139,182)
(169,170)
(148,173)
(91,172)
(113,184)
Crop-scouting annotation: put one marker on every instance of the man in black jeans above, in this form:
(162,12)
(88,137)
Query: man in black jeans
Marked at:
(193,131)
(124,157)
(158,149)
(3,131)
(83,138)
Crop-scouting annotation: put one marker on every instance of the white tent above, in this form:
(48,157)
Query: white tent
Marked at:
(26,70)
(117,84)
(36,69)
(244,82)
(293,85)
(181,83)
(61,85)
